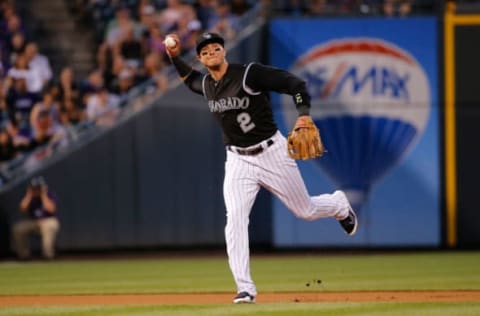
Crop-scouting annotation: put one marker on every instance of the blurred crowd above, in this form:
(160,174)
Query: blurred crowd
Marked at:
(315,8)
(130,34)
(40,109)
(30,116)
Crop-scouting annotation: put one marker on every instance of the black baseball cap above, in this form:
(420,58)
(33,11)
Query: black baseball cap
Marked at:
(208,38)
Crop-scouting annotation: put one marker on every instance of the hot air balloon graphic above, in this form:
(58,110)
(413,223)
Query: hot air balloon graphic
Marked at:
(371,102)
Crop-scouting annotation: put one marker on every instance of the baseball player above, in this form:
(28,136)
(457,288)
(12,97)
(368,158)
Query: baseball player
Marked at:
(256,151)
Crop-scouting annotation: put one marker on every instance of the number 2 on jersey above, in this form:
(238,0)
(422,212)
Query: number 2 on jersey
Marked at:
(245,122)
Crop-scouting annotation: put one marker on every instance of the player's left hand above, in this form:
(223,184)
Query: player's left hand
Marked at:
(304,140)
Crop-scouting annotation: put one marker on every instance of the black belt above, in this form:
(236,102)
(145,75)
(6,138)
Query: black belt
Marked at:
(251,151)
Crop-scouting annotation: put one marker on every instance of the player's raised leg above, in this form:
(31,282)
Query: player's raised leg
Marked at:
(282,177)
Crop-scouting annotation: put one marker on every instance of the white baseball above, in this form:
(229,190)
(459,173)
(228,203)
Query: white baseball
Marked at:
(170,42)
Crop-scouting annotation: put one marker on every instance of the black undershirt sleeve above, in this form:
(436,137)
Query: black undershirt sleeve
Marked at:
(182,67)
(191,77)
(194,81)
(267,78)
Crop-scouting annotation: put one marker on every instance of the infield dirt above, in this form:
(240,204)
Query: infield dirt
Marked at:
(226,298)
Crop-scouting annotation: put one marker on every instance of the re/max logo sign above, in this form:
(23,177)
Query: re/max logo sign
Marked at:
(351,80)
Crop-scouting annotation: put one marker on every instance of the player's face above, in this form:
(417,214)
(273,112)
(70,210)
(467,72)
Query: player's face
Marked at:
(212,55)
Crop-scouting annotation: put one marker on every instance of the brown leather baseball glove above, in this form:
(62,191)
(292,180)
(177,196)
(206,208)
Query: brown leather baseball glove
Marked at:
(304,140)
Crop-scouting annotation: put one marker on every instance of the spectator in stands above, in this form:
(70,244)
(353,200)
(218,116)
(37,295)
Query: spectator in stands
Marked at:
(186,30)
(117,26)
(40,203)
(16,46)
(367,7)
(143,3)
(95,79)
(45,132)
(194,30)
(152,67)
(21,141)
(47,139)
(131,48)
(389,8)
(20,103)
(3,64)
(8,150)
(223,22)
(68,87)
(401,8)
(54,89)
(38,64)
(205,9)
(50,108)
(154,40)
(7,9)
(405,8)
(114,34)
(320,7)
(13,25)
(111,75)
(90,85)
(4,114)
(71,114)
(13,20)
(348,6)
(103,107)
(98,13)
(175,9)
(147,16)
(124,83)
(32,77)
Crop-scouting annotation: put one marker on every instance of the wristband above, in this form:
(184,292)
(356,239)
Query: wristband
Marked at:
(302,102)
(303,110)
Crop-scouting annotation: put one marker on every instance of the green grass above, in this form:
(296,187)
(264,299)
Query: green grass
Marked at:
(411,271)
(424,271)
(313,309)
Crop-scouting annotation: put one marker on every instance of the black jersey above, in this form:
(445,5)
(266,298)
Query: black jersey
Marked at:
(240,100)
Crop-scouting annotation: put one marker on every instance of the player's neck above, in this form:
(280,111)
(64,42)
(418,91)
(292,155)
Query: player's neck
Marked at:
(217,73)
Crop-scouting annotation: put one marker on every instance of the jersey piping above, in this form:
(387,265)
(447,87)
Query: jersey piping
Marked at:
(244,82)
(203,86)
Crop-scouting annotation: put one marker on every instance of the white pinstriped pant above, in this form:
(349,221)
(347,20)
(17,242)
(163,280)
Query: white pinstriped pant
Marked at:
(274,170)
